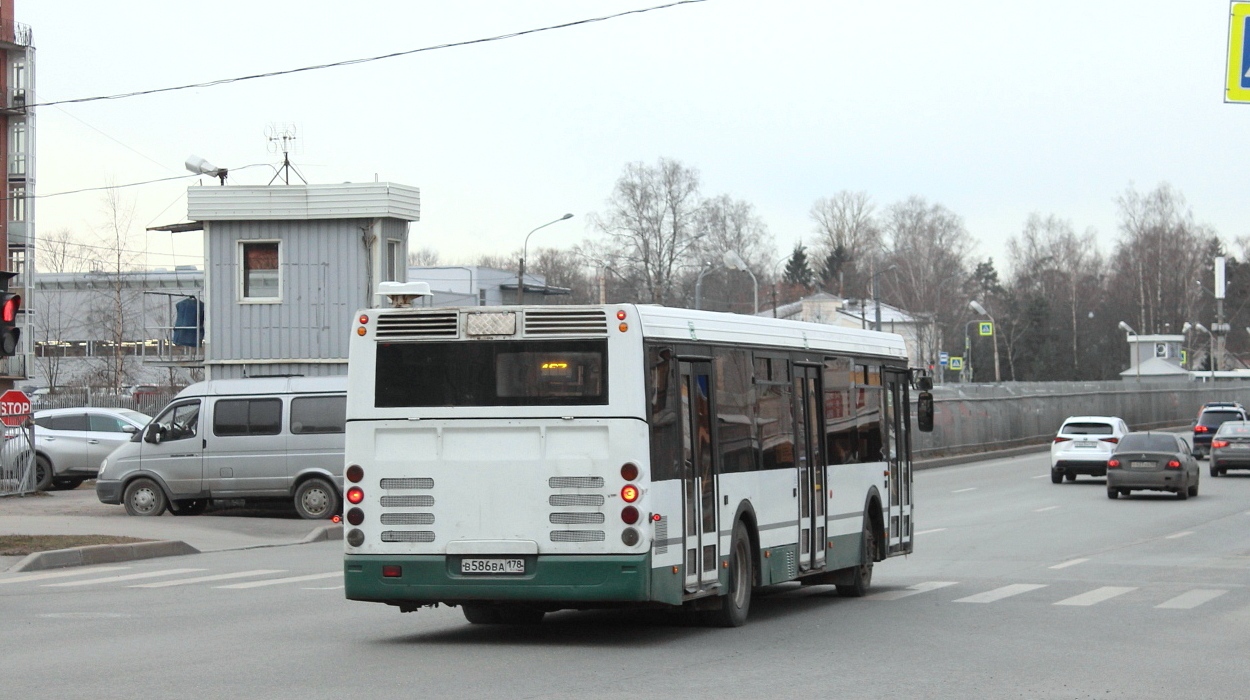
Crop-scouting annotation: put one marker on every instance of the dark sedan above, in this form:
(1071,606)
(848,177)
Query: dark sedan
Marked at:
(1152,462)
(1230,448)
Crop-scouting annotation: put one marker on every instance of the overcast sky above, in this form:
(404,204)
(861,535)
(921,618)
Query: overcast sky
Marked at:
(994,109)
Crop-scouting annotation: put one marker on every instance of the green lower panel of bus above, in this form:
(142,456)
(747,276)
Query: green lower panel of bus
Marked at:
(435,578)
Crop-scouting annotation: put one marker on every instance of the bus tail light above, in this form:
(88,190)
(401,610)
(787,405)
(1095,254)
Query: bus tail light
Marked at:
(629,515)
(392,571)
(355,473)
(629,471)
(355,516)
(1113,464)
(1173,464)
(355,495)
(629,493)
(355,537)
(630,537)
(620,315)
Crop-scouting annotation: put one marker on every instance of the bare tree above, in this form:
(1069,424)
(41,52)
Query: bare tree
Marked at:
(424,256)
(650,226)
(849,239)
(110,312)
(727,225)
(925,266)
(567,269)
(60,252)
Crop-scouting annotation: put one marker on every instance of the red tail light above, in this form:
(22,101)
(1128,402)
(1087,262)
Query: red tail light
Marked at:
(629,515)
(1113,464)
(1201,429)
(392,571)
(1112,440)
(355,473)
(629,493)
(1063,439)
(355,495)
(1174,464)
(1219,443)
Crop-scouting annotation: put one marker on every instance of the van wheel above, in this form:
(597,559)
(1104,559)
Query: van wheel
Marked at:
(316,499)
(144,497)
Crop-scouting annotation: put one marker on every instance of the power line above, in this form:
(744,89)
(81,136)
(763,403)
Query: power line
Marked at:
(355,61)
(128,184)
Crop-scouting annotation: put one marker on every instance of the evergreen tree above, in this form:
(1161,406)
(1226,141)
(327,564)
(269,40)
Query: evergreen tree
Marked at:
(797,270)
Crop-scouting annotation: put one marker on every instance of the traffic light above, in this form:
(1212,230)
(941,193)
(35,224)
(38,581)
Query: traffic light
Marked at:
(10,305)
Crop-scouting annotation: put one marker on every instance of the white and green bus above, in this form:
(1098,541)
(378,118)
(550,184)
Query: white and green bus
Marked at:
(519,460)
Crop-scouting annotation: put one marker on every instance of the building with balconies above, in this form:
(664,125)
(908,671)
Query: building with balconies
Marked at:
(17,160)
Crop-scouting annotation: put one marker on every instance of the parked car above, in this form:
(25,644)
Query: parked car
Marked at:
(1210,418)
(70,443)
(1230,447)
(1152,462)
(253,439)
(1083,446)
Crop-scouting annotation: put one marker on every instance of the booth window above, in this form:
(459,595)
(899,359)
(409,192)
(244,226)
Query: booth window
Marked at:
(261,271)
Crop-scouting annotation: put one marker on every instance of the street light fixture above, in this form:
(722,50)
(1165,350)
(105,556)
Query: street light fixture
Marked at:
(977,307)
(520,275)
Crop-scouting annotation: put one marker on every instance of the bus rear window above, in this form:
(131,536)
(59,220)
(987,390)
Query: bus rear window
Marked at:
(492,373)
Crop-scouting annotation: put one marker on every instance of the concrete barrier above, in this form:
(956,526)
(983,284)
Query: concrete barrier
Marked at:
(102,554)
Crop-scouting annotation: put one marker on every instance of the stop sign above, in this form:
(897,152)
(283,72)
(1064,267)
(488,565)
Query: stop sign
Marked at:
(14,407)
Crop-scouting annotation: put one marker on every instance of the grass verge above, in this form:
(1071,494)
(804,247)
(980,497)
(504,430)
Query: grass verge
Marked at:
(20,545)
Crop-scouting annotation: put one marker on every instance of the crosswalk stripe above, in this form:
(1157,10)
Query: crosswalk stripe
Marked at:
(929,532)
(1096,596)
(206,579)
(1000,593)
(909,591)
(62,573)
(276,581)
(1070,562)
(124,577)
(1191,599)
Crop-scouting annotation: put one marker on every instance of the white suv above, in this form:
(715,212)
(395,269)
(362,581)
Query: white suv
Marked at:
(1083,446)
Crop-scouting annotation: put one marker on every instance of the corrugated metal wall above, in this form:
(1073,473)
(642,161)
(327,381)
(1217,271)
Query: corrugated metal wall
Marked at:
(324,280)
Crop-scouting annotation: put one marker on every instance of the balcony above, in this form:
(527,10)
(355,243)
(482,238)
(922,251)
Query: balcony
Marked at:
(15,34)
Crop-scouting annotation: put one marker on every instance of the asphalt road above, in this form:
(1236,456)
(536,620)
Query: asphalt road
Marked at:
(1019,588)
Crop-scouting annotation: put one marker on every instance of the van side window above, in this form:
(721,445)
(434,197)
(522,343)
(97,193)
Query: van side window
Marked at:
(318,414)
(234,417)
(178,422)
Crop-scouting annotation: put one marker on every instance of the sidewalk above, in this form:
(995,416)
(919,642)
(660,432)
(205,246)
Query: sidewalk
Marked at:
(78,512)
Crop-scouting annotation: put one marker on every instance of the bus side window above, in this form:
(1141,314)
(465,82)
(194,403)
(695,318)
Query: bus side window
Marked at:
(841,437)
(735,411)
(776,417)
(868,415)
(662,413)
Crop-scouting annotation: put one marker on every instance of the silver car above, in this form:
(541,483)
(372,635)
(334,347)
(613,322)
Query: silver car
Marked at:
(70,443)
(1152,462)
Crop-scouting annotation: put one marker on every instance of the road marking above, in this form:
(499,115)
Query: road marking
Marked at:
(276,581)
(1043,510)
(124,577)
(1191,599)
(325,588)
(1039,476)
(911,590)
(1095,596)
(1070,562)
(1000,593)
(1179,535)
(936,529)
(60,574)
(964,490)
(205,579)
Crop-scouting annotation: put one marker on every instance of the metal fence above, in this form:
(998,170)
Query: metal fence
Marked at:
(17,461)
(976,418)
(149,402)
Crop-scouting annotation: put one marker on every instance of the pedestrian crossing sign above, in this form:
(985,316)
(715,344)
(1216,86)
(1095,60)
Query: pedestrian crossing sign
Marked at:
(987,328)
(956,363)
(1237,84)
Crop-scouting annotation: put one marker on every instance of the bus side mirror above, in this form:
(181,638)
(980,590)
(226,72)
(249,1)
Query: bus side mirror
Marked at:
(924,412)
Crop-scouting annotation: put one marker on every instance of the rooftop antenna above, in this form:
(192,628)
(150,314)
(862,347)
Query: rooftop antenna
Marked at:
(281,137)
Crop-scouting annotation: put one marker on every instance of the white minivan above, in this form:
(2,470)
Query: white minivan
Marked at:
(266,438)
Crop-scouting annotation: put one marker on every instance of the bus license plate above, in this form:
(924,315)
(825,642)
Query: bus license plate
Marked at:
(492,566)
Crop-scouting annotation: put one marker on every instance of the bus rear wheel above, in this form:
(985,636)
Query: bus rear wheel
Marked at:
(736,603)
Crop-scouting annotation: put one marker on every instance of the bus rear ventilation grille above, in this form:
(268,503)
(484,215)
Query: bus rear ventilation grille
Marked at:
(407,501)
(407,518)
(571,322)
(443,324)
(408,483)
(571,536)
(574,518)
(407,536)
(575,482)
(568,500)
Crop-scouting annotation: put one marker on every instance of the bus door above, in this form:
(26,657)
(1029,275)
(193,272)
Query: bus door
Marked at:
(809,458)
(898,451)
(698,477)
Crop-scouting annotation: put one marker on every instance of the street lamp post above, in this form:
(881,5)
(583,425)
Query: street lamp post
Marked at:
(520,275)
(731,261)
(1211,349)
(876,298)
(975,306)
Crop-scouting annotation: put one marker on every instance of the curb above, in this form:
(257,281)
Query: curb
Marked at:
(937,462)
(101,554)
(323,534)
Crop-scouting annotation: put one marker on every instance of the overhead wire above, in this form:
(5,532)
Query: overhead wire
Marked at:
(357,61)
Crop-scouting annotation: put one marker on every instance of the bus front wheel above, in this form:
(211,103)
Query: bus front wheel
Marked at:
(861,576)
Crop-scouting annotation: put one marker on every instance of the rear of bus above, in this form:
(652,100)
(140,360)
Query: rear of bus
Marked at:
(496,455)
